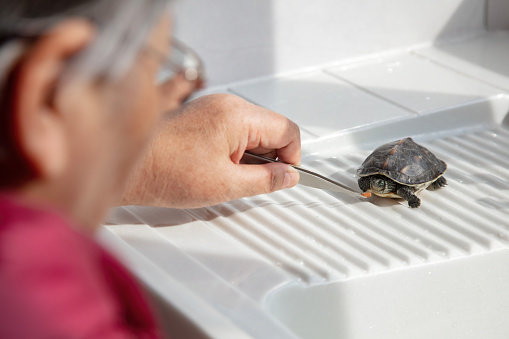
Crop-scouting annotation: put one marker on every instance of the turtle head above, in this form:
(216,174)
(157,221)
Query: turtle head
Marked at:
(376,184)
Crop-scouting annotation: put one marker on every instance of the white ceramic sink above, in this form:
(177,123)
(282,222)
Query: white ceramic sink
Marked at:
(303,263)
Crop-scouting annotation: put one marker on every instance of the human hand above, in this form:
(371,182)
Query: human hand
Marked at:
(194,159)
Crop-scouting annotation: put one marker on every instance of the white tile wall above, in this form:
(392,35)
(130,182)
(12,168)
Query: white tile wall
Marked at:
(243,39)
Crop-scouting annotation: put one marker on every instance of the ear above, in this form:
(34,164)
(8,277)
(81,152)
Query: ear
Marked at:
(39,126)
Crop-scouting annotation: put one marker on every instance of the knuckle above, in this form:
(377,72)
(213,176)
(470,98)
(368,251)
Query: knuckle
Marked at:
(222,101)
(222,106)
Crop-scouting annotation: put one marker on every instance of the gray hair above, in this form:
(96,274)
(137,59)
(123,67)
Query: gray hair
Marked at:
(122,26)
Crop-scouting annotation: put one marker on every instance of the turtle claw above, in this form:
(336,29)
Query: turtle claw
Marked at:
(414,203)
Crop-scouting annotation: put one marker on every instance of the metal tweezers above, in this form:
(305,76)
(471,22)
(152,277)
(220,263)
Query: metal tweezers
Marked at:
(307,177)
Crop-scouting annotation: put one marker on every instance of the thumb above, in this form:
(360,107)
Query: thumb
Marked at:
(266,178)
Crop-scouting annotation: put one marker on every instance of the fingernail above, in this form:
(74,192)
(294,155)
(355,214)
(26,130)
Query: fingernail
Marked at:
(291,177)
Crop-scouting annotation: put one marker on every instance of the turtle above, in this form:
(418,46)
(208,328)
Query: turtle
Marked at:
(399,169)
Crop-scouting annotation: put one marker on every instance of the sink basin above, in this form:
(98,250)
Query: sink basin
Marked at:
(462,298)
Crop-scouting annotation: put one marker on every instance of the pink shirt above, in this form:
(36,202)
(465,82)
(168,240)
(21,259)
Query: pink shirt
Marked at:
(58,283)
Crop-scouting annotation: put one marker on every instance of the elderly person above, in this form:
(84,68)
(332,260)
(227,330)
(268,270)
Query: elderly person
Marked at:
(85,126)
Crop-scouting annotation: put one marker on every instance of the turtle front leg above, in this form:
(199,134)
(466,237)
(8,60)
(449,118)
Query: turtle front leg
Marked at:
(364,183)
(407,193)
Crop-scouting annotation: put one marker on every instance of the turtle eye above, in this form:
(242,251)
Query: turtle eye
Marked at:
(379,183)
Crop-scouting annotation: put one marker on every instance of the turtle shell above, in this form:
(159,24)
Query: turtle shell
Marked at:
(405,162)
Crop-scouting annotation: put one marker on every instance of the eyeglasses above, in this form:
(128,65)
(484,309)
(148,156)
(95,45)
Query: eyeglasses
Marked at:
(182,60)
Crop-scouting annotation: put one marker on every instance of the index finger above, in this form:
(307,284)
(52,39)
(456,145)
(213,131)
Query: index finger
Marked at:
(275,135)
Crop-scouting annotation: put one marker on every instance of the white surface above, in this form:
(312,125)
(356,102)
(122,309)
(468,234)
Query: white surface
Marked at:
(319,103)
(485,58)
(451,300)
(415,83)
(244,39)
(310,264)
